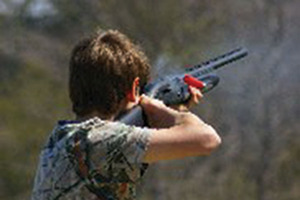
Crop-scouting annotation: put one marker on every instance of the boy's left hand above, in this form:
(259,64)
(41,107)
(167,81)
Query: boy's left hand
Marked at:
(196,95)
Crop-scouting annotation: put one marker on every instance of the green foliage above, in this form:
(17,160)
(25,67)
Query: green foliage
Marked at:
(288,172)
(33,102)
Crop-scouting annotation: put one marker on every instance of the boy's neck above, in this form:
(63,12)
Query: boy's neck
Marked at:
(94,114)
(125,106)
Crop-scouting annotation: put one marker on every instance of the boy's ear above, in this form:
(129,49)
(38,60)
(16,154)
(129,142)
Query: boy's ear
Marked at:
(135,90)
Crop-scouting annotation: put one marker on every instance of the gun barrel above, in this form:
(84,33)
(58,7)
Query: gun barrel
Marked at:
(215,63)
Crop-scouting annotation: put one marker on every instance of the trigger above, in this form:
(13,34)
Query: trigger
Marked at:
(192,81)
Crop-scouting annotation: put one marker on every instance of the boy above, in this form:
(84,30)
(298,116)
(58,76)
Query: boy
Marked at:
(97,157)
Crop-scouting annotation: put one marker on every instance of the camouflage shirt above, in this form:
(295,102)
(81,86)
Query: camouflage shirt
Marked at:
(94,159)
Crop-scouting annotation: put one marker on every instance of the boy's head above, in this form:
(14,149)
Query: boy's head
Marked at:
(102,70)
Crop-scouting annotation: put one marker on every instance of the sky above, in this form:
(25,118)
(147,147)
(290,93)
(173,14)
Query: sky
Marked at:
(36,9)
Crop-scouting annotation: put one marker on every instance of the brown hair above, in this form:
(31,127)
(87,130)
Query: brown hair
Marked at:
(102,69)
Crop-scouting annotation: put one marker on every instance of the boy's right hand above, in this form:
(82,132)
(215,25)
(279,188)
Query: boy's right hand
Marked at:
(157,113)
(161,116)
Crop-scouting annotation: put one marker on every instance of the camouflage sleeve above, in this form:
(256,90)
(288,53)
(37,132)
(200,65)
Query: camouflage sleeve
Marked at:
(117,143)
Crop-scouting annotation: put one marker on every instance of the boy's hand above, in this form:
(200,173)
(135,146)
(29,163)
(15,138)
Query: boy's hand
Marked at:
(157,113)
(196,95)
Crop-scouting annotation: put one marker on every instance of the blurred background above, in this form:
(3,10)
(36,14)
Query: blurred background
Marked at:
(255,108)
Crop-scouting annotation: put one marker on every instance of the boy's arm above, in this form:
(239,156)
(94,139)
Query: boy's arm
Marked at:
(176,134)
